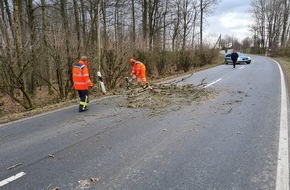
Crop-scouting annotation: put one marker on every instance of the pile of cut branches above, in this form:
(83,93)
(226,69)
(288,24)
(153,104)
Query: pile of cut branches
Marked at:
(162,98)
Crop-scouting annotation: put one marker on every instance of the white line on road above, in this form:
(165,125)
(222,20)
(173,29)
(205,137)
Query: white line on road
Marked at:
(241,67)
(12,178)
(282,179)
(212,83)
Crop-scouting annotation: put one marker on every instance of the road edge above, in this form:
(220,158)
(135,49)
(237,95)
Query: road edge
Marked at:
(282,178)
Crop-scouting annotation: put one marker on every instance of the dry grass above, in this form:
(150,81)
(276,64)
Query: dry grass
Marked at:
(285,64)
(11,111)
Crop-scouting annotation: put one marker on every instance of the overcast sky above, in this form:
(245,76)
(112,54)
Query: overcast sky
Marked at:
(231,17)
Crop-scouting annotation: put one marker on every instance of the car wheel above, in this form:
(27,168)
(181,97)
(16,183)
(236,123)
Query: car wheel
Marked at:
(248,62)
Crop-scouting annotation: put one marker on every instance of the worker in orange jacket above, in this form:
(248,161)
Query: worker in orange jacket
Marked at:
(139,72)
(82,82)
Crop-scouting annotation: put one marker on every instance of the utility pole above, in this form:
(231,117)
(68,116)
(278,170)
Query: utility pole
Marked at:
(218,42)
(201,23)
(98,36)
(101,82)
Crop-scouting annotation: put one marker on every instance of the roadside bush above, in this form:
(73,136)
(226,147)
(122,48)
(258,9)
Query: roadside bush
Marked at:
(157,62)
(162,62)
(114,68)
(283,52)
(204,57)
(146,58)
(185,61)
(258,50)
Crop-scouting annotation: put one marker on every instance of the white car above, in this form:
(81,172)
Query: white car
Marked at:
(241,59)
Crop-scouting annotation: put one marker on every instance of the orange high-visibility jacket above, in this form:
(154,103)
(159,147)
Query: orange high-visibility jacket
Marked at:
(80,76)
(139,70)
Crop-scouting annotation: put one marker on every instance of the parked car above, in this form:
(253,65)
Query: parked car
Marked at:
(243,58)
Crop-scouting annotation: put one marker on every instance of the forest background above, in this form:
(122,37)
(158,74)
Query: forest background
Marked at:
(40,40)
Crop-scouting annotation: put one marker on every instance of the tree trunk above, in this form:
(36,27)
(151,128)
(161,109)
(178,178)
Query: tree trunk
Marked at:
(176,27)
(32,59)
(77,26)
(194,23)
(164,25)
(201,24)
(19,72)
(153,21)
(105,36)
(68,82)
(133,24)
(117,24)
(98,38)
(144,23)
(286,10)
(6,44)
(186,18)
(83,19)
(47,65)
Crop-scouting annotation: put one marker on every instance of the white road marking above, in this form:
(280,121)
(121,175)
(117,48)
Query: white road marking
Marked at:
(282,179)
(12,178)
(241,67)
(212,83)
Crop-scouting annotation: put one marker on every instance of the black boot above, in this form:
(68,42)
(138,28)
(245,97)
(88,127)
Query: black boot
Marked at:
(80,108)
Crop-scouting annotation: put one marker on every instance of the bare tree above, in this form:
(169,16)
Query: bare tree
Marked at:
(186,20)
(47,77)
(258,11)
(246,44)
(36,51)
(133,23)
(144,23)
(285,22)
(77,25)
(165,11)
(16,66)
(153,20)
(32,59)
(194,21)
(271,24)
(63,12)
(176,25)
(206,7)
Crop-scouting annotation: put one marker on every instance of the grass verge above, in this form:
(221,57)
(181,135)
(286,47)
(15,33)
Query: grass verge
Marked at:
(285,64)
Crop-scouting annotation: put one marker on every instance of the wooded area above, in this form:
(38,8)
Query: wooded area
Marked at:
(271,27)
(40,40)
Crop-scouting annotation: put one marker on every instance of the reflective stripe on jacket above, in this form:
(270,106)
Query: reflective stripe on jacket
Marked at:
(80,76)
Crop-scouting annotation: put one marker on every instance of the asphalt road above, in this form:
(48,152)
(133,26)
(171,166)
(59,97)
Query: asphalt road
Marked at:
(228,142)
